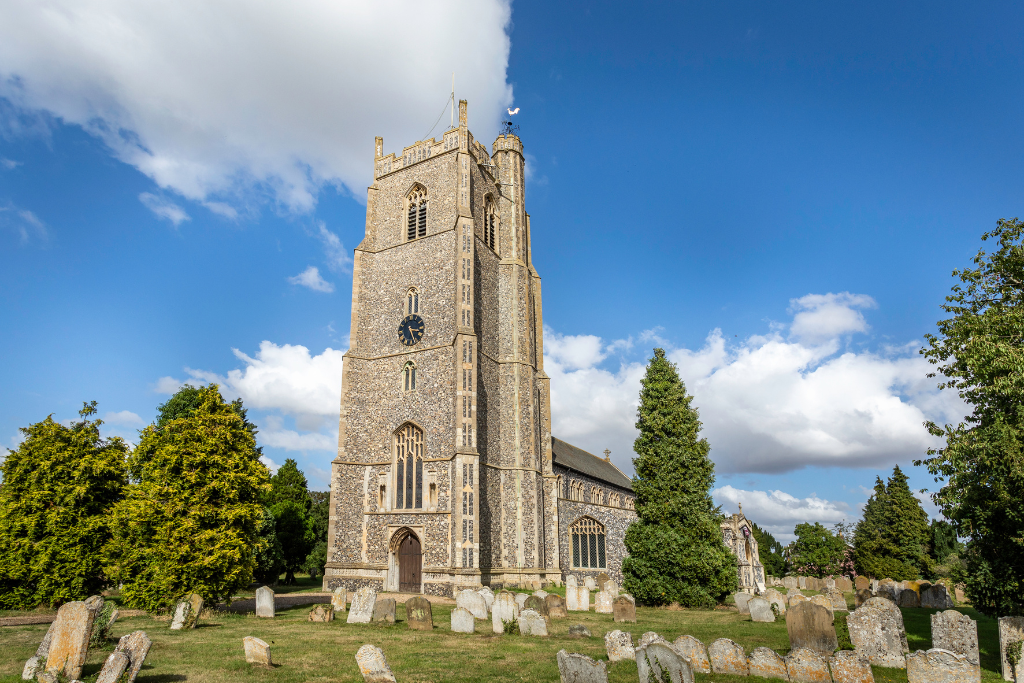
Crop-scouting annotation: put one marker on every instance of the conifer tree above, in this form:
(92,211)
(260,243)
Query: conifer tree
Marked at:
(892,539)
(769,550)
(675,547)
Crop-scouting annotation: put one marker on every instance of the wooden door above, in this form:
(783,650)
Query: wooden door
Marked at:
(410,563)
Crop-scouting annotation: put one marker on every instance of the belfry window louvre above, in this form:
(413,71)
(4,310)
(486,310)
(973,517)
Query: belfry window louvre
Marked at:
(588,544)
(416,215)
(422,232)
(409,467)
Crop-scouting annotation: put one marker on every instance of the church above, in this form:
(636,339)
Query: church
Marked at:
(447,475)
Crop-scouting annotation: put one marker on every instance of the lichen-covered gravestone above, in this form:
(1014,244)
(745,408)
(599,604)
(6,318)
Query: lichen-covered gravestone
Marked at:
(361,609)
(463,621)
(742,599)
(373,665)
(136,645)
(767,663)
(69,644)
(339,599)
(264,602)
(582,600)
(37,663)
(113,668)
(555,606)
(503,610)
(624,609)
(321,613)
(760,610)
(473,602)
(862,596)
(728,657)
(837,599)
(910,598)
(532,623)
(797,597)
(659,661)
(850,666)
(790,582)
(521,600)
(776,598)
(824,602)
(537,604)
(186,614)
(862,583)
(940,666)
(603,602)
(579,631)
(577,668)
(256,651)
(418,614)
(810,626)
(957,633)
(1011,629)
(648,638)
(384,610)
(807,666)
(876,630)
(844,584)
(590,583)
(694,650)
(936,597)
(619,646)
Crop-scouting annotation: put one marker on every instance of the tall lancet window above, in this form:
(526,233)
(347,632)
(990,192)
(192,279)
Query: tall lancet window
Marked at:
(409,467)
(409,376)
(416,213)
(491,225)
(412,302)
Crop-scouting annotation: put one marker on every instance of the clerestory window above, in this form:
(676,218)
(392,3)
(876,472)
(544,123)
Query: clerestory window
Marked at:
(409,467)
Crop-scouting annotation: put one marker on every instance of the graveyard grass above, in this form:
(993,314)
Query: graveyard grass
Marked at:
(305,651)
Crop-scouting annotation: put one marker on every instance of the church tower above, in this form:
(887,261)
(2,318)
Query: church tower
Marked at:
(444,474)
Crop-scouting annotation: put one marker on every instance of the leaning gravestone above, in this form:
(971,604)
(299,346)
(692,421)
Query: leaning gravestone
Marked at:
(776,598)
(418,614)
(619,646)
(936,597)
(957,633)
(361,609)
(1011,629)
(576,668)
(766,663)
(532,623)
(136,645)
(876,630)
(373,666)
(940,666)
(810,627)
(265,602)
(648,638)
(850,666)
(473,602)
(536,603)
(760,610)
(69,644)
(186,614)
(463,620)
(741,602)
(339,599)
(384,611)
(503,610)
(257,651)
(624,608)
(728,657)
(694,650)
(37,663)
(603,602)
(660,662)
(555,606)
(321,613)
(113,668)
(807,666)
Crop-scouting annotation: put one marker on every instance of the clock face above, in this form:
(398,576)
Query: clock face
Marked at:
(410,331)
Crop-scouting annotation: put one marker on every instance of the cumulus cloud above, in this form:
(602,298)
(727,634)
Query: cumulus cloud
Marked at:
(223,100)
(778,512)
(124,418)
(167,385)
(820,317)
(164,208)
(310,277)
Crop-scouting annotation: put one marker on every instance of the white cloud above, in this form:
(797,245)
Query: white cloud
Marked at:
(821,317)
(167,385)
(228,100)
(164,208)
(310,277)
(9,164)
(778,512)
(125,418)
(336,253)
(24,222)
(271,465)
(290,440)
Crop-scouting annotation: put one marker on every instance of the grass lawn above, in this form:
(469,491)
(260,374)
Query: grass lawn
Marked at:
(304,651)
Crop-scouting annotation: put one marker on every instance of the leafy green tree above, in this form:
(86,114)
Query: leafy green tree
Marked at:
(944,541)
(318,522)
(270,555)
(979,354)
(675,546)
(817,551)
(892,539)
(770,551)
(190,519)
(289,484)
(294,534)
(55,498)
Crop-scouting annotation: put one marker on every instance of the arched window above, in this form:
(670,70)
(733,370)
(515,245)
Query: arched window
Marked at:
(613,500)
(409,376)
(587,544)
(595,495)
(412,301)
(416,223)
(490,224)
(409,467)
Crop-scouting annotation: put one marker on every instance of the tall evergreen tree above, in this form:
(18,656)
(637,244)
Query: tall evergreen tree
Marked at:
(675,546)
(56,494)
(289,484)
(770,551)
(893,538)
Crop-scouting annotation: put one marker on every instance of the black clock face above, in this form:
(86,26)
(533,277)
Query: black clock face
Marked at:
(410,331)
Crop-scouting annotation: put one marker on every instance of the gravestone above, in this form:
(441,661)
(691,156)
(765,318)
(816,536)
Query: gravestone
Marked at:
(136,645)
(742,599)
(776,598)
(186,613)
(830,582)
(810,627)
(940,666)
(265,602)
(577,599)
(361,609)
(603,602)
(619,646)
(532,623)
(694,650)
(577,668)
(488,595)
(767,663)
(521,600)
(936,597)
(339,599)
(113,668)
(537,604)
(807,666)
(611,588)
(37,663)
(876,630)
(463,620)
(761,610)
(602,578)
(418,614)
(579,631)
(590,583)
(796,598)
(504,609)
(624,609)
(541,594)
(837,599)
(957,633)
(909,598)
(850,666)
(888,589)
(1011,629)
(844,584)
(824,602)
(790,582)
(862,583)
(571,582)
(660,662)
(69,643)
(727,657)
(256,651)
(373,665)
(862,596)
(801,583)
(555,606)
(321,613)
(384,611)
(473,602)
(648,638)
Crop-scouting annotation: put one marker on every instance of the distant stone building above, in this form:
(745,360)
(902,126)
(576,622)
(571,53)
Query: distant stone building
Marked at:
(447,475)
(738,537)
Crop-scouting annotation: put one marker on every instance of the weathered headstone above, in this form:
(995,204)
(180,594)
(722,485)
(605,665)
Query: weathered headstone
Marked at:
(361,609)
(796,598)
(265,602)
(619,646)
(957,633)
(186,613)
(909,598)
(136,645)
(659,661)
(727,657)
(532,623)
(579,631)
(611,588)
(837,599)
(521,600)
(790,582)
(590,583)
(540,594)
(384,610)
(760,610)
(694,650)
(648,638)
(463,620)
(69,644)
(578,599)
(810,627)
(603,602)
(37,663)
(536,603)
(940,666)
(321,613)
(601,579)
(862,583)
(373,665)
(503,610)
(577,668)
(742,599)
(850,666)
(888,589)
(876,630)
(624,608)
(807,666)
(113,668)
(488,595)
(1011,629)
(862,596)
(418,614)
(776,598)
(473,602)
(844,584)
(824,602)
(767,663)
(555,606)
(256,651)
(339,599)
(936,597)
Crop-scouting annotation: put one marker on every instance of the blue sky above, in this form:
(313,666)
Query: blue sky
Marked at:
(776,194)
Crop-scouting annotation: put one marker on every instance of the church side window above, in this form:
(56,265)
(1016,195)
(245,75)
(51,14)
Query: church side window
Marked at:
(588,542)
(409,467)
(416,217)
(490,225)
(412,301)
(409,376)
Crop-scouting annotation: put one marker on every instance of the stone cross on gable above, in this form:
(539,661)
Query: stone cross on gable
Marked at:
(607,455)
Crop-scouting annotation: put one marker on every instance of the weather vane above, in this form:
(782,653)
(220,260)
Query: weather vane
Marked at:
(507,127)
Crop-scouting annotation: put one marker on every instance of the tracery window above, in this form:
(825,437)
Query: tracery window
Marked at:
(416,220)
(588,540)
(490,224)
(409,376)
(409,467)
(412,301)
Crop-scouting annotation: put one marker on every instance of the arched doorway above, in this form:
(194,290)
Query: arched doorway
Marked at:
(410,564)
